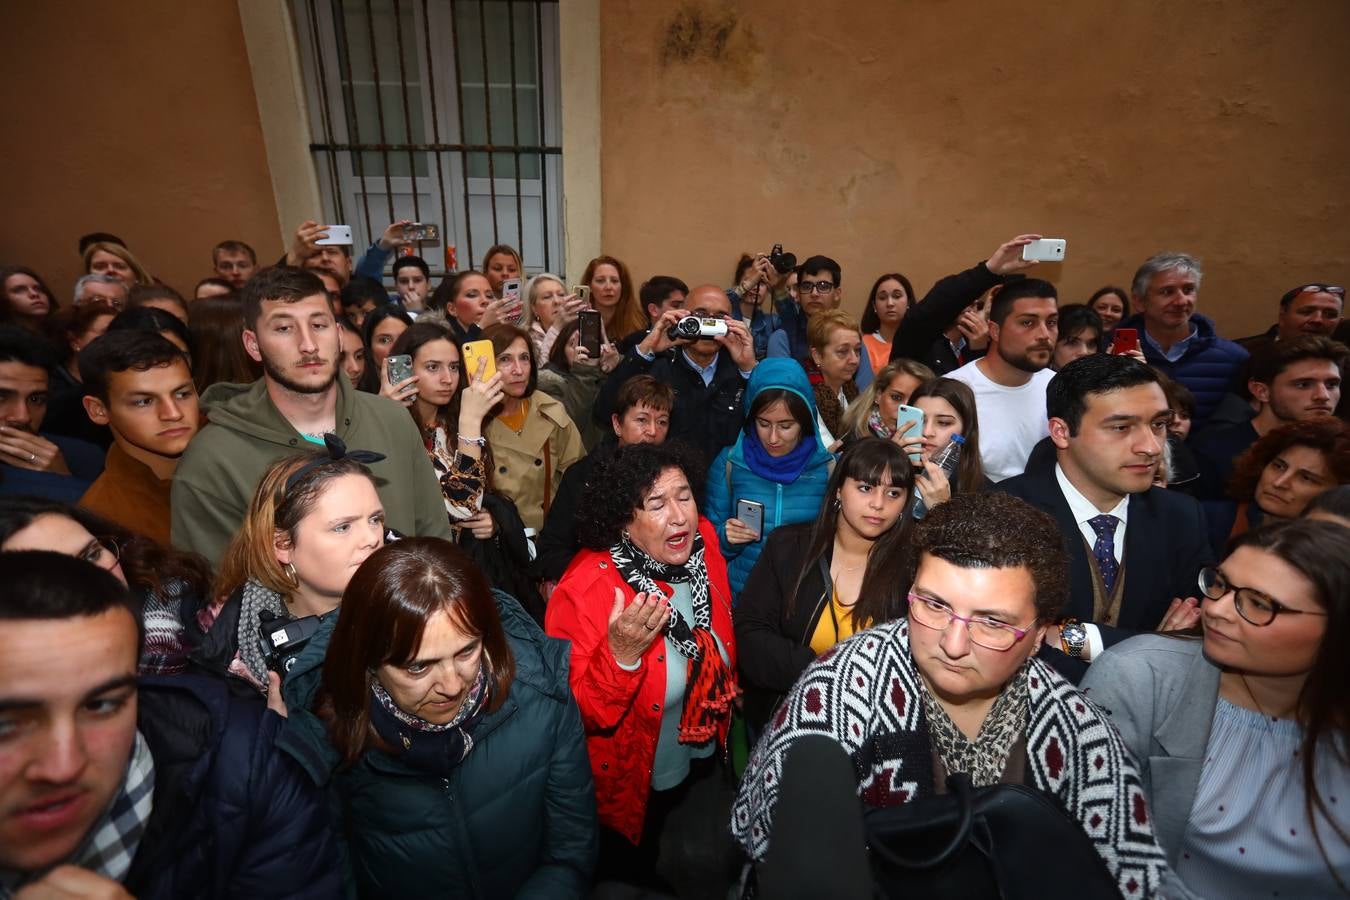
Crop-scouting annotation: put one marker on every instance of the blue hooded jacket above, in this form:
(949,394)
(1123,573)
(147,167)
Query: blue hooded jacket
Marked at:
(730,479)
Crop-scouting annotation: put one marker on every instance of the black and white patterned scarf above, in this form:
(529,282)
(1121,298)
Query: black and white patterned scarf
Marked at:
(985,758)
(640,572)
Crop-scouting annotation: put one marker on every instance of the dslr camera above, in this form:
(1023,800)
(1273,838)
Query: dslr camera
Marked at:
(782,262)
(283,638)
(694,328)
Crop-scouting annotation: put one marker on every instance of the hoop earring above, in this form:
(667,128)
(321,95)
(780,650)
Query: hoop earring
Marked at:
(289,569)
(837,505)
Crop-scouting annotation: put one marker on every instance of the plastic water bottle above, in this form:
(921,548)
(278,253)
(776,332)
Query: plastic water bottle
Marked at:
(948,458)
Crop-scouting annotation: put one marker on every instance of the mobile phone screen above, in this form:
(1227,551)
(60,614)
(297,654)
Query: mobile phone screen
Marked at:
(589,332)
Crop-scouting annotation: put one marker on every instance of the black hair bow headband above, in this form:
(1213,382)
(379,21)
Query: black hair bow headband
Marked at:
(336,450)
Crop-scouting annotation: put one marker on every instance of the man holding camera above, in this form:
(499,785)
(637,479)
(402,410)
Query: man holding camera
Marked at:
(707,374)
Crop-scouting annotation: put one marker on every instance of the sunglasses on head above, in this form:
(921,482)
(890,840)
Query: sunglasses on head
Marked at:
(1334,289)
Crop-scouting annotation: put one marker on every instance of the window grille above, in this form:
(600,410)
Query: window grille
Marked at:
(439,111)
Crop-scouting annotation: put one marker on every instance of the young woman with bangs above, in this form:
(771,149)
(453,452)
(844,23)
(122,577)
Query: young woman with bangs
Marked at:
(816,583)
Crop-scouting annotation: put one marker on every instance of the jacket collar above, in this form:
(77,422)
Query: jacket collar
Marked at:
(1185,731)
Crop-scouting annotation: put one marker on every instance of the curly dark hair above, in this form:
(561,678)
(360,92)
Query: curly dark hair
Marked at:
(617,488)
(998,531)
(1326,433)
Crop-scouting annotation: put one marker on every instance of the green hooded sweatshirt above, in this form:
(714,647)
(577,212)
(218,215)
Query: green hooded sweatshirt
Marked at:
(221,469)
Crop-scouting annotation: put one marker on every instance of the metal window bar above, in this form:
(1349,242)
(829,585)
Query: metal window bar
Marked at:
(353,150)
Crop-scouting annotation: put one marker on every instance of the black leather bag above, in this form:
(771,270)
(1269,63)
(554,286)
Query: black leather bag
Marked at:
(1005,841)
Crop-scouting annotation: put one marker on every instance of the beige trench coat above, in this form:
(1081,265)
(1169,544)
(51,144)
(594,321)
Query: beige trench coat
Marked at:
(521,466)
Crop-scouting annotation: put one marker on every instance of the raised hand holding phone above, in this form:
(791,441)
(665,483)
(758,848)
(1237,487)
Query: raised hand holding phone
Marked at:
(397,381)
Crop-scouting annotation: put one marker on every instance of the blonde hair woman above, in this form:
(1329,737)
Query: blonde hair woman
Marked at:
(105,258)
(874,413)
(835,343)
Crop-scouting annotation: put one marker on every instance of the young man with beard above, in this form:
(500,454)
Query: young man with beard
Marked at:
(157,787)
(1009,381)
(1290,381)
(1134,549)
(139,385)
(290,329)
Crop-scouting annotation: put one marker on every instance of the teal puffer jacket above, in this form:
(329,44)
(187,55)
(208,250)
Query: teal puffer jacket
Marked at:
(517,817)
(730,479)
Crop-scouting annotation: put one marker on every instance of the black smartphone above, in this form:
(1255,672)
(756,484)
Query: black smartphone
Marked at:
(588,332)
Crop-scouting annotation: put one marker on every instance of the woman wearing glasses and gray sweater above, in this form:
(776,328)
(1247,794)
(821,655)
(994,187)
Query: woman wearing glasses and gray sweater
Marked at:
(1241,737)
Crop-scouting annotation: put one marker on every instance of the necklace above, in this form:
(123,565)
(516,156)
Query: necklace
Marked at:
(1259,708)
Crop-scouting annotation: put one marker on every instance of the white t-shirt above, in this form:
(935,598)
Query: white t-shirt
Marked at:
(1012,419)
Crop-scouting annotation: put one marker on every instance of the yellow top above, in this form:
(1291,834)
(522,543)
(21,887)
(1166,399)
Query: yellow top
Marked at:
(516,421)
(834,625)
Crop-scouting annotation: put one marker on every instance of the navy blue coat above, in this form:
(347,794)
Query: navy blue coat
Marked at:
(1210,367)
(232,816)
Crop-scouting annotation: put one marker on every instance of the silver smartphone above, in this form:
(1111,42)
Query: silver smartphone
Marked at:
(751,514)
(1045,250)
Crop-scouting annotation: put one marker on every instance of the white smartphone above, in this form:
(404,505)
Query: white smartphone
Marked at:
(751,514)
(904,417)
(1045,250)
(337,235)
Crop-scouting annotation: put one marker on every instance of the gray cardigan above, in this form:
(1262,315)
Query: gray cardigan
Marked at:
(1160,693)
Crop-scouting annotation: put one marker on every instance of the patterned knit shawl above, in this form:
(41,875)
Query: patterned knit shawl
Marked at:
(866,694)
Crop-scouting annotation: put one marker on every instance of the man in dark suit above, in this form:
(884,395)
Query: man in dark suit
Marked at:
(1134,549)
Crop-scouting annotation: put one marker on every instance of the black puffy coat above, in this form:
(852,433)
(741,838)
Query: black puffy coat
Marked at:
(233,816)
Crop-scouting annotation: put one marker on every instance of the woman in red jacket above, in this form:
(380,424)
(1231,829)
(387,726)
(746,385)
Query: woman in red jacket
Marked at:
(647,608)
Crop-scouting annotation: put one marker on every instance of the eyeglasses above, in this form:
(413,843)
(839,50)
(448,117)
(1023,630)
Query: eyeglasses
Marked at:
(1254,606)
(102,552)
(983,632)
(814,287)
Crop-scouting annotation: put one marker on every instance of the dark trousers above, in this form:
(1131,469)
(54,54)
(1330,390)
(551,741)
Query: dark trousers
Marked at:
(622,862)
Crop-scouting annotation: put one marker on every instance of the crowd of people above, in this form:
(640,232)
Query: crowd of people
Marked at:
(329,579)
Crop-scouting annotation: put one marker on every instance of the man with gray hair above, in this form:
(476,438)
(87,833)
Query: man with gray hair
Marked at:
(1176,339)
(105,289)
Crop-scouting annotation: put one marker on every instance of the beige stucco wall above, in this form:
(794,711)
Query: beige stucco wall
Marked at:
(915,135)
(135,118)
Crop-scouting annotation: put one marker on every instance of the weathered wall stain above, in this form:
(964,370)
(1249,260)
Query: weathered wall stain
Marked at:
(915,135)
(710,36)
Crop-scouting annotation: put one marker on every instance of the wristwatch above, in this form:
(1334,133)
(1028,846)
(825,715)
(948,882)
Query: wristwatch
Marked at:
(1072,638)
